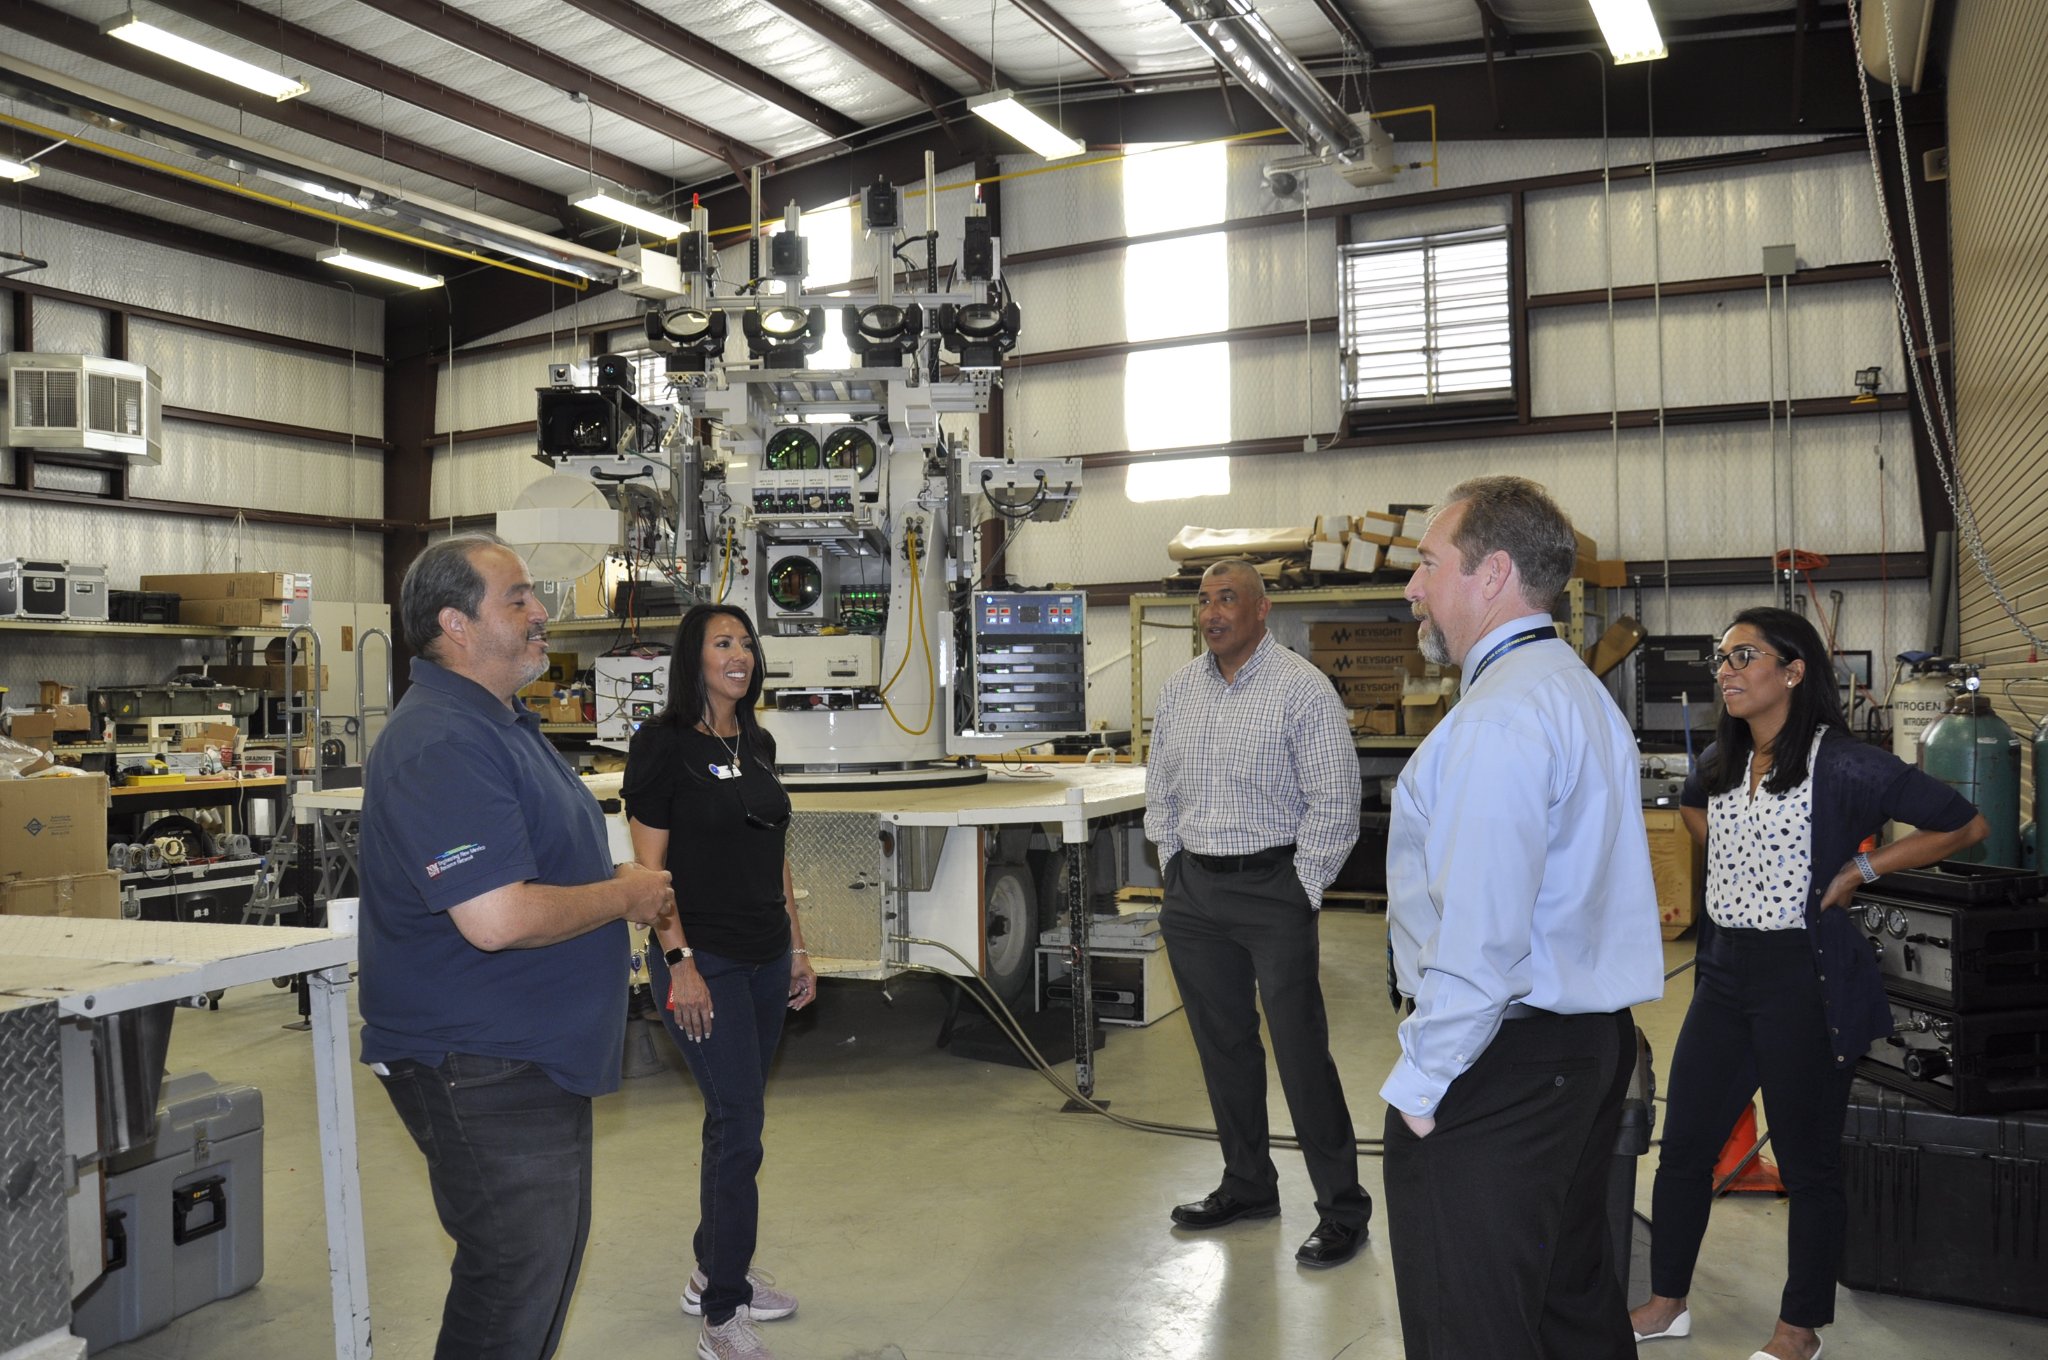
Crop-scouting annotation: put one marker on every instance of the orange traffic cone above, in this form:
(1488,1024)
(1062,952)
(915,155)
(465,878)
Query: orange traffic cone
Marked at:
(1759,1176)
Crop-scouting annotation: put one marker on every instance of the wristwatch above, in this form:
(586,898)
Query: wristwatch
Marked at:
(672,957)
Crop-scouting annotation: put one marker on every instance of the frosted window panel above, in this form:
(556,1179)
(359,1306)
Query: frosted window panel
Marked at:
(1177,479)
(1177,398)
(1427,319)
(1172,188)
(1176,287)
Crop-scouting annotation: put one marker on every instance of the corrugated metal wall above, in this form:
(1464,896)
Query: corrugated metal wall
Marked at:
(1998,219)
(202,463)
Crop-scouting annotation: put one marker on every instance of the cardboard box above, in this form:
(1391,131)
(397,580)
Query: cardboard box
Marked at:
(221,735)
(33,729)
(96,895)
(1325,556)
(233,613)
(1371,690)
(1381,721)
(1609,573)
(71,718)
(53,826)
(562,668)
(1415,523)
(1338,635)
(1420,713)
(564,708)
(1361,556)
(1364,660)
(539,694)
(1401,557)
(232,585)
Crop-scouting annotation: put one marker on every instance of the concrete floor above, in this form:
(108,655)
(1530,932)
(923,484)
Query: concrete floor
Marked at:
(925,1206)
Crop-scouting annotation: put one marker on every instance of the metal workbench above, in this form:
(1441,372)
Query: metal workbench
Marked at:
(54,968)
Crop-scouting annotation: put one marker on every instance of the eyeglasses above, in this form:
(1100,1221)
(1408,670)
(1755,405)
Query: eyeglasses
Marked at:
(1738,657)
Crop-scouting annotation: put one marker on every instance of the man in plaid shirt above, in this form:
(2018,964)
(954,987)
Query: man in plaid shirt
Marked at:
(1252,799)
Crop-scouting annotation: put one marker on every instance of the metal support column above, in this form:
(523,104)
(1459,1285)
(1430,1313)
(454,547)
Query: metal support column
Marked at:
(348,1273)
(1078,921)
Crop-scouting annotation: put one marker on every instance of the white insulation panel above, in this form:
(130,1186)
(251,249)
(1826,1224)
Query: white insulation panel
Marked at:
(218,465)
(226,376)
(483,476)
(123,270)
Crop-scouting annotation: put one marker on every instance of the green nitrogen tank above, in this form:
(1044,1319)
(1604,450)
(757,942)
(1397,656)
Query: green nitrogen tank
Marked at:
(1973,751)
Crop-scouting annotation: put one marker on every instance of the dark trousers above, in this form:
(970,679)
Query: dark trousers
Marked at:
(1231,938)
(748,1003)
(1498,1217)
(1756,1020)
(508,1156)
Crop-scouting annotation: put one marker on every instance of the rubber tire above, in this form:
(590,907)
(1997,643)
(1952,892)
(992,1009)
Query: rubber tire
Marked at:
(1010,920)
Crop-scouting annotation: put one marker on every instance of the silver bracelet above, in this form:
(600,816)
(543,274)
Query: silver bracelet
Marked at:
(1863,867)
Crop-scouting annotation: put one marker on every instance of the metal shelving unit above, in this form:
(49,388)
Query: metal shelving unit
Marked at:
(134,630)
(660,623)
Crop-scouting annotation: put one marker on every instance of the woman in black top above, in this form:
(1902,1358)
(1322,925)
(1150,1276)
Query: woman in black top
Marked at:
(703,802)
(1787,994)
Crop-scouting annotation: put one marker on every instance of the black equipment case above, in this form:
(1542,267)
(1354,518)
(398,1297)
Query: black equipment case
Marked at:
(1946,1206)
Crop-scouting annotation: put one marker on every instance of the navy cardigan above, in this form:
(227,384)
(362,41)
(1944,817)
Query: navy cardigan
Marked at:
(1857,788)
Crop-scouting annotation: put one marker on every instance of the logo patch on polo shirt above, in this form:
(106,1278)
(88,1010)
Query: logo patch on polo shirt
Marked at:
(453,859)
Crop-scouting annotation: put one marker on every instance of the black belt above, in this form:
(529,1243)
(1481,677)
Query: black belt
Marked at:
(1235,864)
(1514,1010)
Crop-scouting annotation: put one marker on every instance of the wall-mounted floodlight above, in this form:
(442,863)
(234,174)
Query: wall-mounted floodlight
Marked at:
(1001,108)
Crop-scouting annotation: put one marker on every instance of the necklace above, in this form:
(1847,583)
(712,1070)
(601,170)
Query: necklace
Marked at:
(732,748)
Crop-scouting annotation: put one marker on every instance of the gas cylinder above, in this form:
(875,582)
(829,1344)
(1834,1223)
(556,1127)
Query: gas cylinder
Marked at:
(1915,700)
(1973,751)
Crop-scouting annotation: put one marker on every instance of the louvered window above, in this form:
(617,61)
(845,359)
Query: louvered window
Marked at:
(1426,320)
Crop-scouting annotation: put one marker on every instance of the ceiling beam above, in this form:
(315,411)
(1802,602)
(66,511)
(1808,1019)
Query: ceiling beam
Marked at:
(141,226)
(659,33)
(252,23)
(1495,28)
(73,159)
(532,60)
(876,57)
(75,35)
(983,73)
(1347,27)
(1077,42)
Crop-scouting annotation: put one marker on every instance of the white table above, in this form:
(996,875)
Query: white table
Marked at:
(92,968)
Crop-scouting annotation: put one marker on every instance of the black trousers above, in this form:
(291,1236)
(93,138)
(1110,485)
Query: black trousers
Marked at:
(1232,939)
(1498,1217)
(1756,1020)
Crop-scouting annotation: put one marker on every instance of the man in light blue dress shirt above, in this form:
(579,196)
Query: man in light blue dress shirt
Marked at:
(1252,798)
(1523,920)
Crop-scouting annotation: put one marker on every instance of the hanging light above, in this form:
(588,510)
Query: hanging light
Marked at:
(1630,30)
(130,29)
(363,264)
(1001,108)
(631,214)
(17,171)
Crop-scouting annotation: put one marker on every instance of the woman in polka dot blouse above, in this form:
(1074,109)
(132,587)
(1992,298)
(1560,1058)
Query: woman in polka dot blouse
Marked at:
(1787,994)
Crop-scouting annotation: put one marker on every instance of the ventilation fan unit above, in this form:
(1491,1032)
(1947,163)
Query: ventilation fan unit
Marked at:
(74,403)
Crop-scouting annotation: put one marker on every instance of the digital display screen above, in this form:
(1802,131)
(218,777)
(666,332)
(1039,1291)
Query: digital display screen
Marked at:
(1027,613)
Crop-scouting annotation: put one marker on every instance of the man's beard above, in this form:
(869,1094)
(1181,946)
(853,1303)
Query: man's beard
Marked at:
(1435,647)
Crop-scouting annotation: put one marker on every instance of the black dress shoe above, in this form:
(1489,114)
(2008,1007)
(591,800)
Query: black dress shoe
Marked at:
(1215,1210)
(1331,1244)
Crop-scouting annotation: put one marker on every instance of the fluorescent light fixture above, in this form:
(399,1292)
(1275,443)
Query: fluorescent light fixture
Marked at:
(1001,108)
(632,214)
(1630,30)
(129,29)
(342,259)
(17,171)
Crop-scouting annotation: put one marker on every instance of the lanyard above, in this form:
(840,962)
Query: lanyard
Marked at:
(1547,633)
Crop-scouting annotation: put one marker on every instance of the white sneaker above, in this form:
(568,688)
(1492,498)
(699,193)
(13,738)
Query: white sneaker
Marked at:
(770,1304)
(733,1339)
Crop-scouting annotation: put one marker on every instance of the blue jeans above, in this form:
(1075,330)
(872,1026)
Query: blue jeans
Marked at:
(748,1003)
(508,1155)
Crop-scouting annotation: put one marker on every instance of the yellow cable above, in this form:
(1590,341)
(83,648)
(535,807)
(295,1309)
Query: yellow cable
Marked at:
(290,205)
(725,569)
(931,686)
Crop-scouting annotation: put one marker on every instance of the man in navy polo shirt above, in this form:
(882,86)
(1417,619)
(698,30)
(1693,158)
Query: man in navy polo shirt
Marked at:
(494,949)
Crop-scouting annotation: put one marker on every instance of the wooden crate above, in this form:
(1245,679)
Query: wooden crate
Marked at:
(1680,868)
